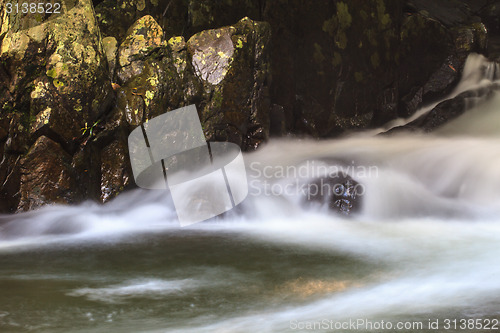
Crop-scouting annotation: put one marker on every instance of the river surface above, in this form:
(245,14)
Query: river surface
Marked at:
(423,251)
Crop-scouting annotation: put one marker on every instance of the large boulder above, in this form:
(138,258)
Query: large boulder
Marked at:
(234,66)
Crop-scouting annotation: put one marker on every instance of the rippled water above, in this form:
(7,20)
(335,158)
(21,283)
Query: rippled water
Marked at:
(423,247)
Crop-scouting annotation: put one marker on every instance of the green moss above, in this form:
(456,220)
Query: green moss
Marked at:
(385,20)
(344,18)
(149,96)
(51,73)
(58,83)
(337,25)
(330,25)
(383,17)
(318,54)
(341,40)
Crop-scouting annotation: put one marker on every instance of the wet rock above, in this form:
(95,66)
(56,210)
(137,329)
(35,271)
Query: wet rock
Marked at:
(111,50)
(10,174)
(55,82)
(234,67)
(428,76)
(166,82)
(448,12)
(46,175)
(410,102)
(132,106)
(336,66)
(278,121)
(449,110)
(333,63)
(341,194)
(115,169)
(205,15)
(490,16)
(116,16)
(144,36)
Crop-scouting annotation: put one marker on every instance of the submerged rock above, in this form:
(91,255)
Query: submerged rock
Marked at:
(340,193)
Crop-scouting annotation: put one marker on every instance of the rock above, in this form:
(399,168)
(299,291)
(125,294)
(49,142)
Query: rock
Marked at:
(166,82)
(10,175)
(46,175)
(144,36)
(111,50)
(449,12)
(448,110)
(324,70)
(451,35)
(205,15)
(116,16)
(115,169)
(341,194)
(233,66)
(490,16)
(55,83)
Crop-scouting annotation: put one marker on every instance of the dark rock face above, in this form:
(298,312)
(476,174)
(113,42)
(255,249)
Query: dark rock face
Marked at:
(116,16)
(338,65)
(341,194)
(74,85)
(448,110)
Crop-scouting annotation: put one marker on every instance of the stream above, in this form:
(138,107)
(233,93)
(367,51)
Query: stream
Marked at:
(422,251)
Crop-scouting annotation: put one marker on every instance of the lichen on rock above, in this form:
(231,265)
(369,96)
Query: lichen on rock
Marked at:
(233,64)
(57,82)
(144,36)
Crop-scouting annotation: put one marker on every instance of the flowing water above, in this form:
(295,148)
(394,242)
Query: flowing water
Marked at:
(423,250)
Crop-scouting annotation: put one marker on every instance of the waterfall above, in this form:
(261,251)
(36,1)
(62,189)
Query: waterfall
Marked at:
(424,245)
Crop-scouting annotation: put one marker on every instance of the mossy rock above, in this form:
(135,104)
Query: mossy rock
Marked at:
(234,65)
(58,82)
(143,37)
